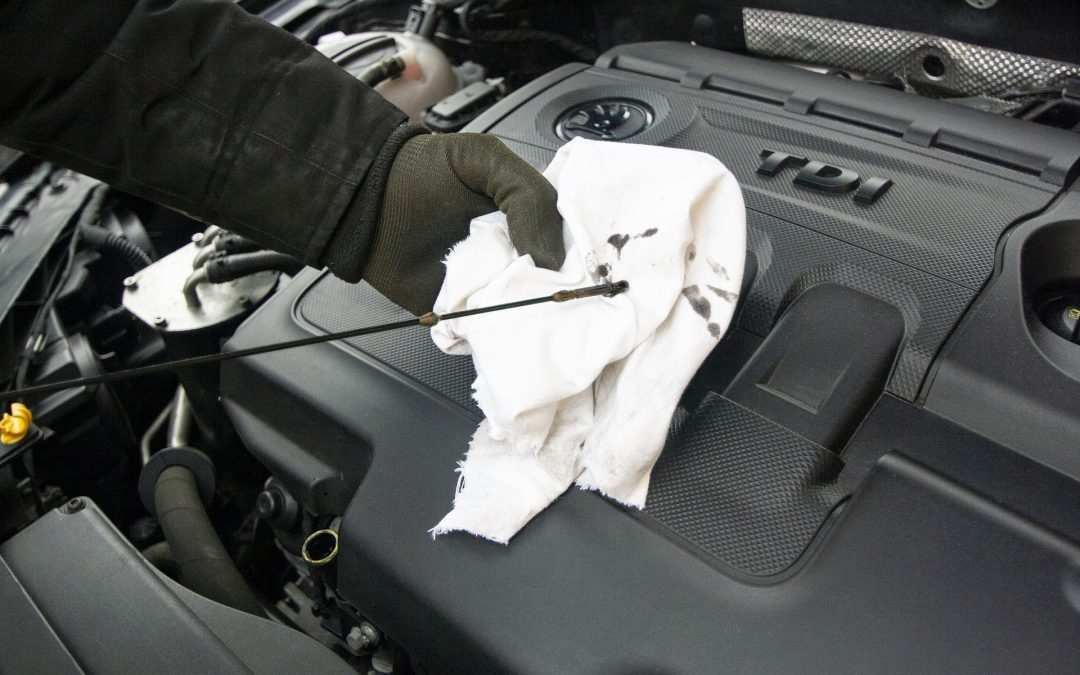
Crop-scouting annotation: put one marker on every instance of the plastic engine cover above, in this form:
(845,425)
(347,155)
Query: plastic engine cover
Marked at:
(808,513)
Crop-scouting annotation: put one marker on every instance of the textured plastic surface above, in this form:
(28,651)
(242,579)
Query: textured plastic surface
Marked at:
(332,305)
(926,246)
(937,197)
(980,579)
(823,365)
(909,559)
(1051,154)
(1005,373)
(691,489)
(96,600)
(742,488)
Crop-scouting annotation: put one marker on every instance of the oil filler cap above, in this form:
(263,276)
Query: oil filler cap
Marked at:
(1061,314)
(605,120)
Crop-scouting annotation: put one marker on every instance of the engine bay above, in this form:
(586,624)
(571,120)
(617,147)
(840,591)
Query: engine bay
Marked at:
(877,467)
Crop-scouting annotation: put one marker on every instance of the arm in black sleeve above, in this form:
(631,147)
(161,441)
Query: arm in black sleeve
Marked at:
(199,106)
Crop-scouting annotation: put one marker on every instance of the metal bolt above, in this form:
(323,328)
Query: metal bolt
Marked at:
(160,321)
(131,282)
(197,237)
(75,505)
(364,636)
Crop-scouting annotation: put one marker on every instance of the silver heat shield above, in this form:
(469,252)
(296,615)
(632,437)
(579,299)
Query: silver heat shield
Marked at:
(922,62)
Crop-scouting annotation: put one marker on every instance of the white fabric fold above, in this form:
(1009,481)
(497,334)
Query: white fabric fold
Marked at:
(584,391)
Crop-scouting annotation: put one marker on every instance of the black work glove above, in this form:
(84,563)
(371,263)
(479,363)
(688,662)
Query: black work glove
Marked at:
(435,186)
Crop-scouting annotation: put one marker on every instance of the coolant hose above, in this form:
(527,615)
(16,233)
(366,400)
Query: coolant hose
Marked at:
(385,69)
(135,256)
(234,243)
(205,566)
(220,270)
(229,267)
(98,237)
(222,246)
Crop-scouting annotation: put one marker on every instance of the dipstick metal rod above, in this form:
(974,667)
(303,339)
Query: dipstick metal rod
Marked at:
(427,320)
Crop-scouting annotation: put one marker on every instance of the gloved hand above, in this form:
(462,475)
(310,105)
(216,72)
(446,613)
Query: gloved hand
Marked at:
(436,185)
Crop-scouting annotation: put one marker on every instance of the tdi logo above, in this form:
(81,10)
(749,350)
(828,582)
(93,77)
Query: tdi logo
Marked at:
(824,177)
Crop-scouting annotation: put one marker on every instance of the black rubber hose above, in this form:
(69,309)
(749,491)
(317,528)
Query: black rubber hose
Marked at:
(135,256)
(219,270)
(224,245)
(383,70)
(204,564)
(234,243)
(578,51)
(98,237)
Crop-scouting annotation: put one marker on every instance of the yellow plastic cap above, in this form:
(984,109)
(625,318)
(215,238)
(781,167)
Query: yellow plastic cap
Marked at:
(14,425)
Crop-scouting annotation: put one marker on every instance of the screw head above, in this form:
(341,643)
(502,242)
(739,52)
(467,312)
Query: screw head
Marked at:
(197,237)
(160,321)
(75,505)
(131,282)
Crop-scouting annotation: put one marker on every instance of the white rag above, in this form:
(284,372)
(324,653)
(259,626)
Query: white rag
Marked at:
(584,391)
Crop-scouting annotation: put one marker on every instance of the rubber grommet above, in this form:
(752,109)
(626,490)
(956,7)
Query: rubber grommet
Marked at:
(194,460)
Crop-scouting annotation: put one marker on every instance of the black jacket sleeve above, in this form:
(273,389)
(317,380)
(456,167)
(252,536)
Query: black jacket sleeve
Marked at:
(199,106)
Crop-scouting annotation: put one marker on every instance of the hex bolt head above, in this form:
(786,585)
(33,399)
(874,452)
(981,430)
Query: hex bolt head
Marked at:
(131,282)
(364,636)
(160,321)
(353,639)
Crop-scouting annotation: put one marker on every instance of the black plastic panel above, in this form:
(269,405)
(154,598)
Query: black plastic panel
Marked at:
(823,365)
(790,260)
(331,305)
(729,454)
(1005,373)
(922,546)
(29,226)
(941,216)
(1051,154)
(27,641)
(910,559)
(742,488)
(84,600)
(926,246)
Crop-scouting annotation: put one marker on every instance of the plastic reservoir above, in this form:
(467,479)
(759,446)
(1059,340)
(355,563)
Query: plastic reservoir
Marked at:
(356,52)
